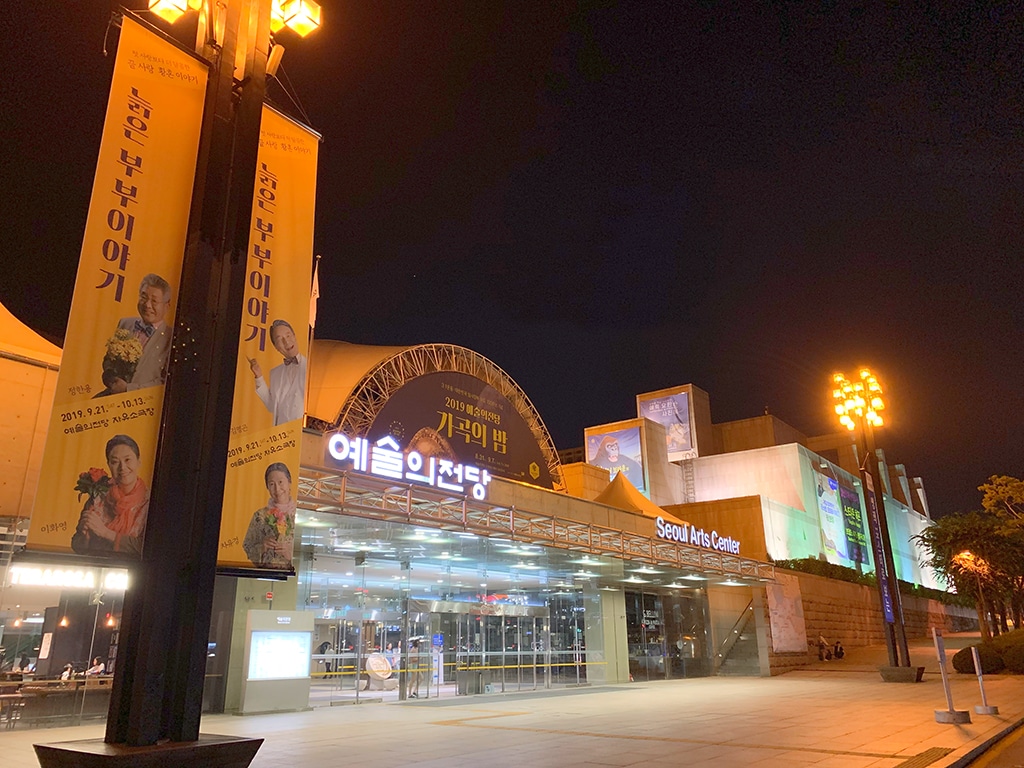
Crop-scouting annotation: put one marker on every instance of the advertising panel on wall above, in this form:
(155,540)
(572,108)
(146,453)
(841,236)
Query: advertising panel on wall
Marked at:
(857,545)
(671,409)
(786,614)
(618,449)
(93,495)
(830,516)
(460,419)
(258,520)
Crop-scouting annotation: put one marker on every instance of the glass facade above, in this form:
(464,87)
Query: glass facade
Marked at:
(666,634)
(452,613)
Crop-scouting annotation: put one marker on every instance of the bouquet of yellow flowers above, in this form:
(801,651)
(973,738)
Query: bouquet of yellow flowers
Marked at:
(122,357)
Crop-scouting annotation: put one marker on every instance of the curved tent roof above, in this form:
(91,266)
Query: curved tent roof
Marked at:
(18,340)
(622,494)
(335,370)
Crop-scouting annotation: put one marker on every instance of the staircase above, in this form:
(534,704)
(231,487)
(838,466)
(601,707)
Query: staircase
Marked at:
(737,656)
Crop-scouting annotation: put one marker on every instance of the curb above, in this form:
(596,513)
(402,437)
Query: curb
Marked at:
(965,760)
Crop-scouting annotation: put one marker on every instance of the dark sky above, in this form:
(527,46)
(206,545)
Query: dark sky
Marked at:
(609,198)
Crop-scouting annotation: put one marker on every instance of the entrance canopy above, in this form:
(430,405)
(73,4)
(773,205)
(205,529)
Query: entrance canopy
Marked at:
(327,497)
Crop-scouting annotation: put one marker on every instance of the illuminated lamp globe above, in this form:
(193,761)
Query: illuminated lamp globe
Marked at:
(301,16)
(277,20)
(169,10)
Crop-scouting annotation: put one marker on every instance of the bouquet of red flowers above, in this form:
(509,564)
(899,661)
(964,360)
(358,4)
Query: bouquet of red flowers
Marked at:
(95,483)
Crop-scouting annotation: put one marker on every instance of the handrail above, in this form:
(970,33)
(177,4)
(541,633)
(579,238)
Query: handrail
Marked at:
(734,634)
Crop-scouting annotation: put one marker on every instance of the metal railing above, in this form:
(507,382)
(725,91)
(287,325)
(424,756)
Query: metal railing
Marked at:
(325,490)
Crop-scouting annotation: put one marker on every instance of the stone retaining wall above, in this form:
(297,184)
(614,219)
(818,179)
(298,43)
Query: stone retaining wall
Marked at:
(852,614)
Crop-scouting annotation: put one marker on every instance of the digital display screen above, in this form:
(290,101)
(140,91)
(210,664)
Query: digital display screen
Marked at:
(276,655)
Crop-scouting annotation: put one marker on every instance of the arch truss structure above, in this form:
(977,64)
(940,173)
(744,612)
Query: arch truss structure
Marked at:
(373,391)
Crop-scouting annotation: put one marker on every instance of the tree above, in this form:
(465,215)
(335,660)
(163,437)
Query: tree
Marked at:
(1003,496)
(982,555)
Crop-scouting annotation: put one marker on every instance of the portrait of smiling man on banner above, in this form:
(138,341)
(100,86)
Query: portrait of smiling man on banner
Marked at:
(285,395)
(137,353)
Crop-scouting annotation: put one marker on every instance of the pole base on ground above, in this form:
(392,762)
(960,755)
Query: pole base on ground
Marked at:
(210,750)
(901,674)
(953,717)
(986,710)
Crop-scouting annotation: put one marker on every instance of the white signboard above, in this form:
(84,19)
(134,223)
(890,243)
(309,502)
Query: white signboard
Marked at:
(279,655)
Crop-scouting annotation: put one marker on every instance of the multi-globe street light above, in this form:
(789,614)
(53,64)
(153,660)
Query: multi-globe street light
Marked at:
(858,403)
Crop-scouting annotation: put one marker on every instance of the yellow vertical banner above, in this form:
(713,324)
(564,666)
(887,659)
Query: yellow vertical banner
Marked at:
(93,496)
(258,522)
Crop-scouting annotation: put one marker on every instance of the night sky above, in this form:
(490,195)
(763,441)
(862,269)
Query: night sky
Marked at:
(610,198)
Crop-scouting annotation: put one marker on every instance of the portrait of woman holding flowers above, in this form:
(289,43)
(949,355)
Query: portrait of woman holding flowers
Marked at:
(271,536)
(114,517)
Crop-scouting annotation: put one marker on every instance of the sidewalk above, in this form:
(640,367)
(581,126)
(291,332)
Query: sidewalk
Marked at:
(835,714)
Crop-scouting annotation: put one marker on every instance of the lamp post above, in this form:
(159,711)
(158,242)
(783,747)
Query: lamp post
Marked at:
(156,697)
(968,561)
(857,404)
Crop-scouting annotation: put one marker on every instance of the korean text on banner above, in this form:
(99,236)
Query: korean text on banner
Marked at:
(258,522)
(93,495)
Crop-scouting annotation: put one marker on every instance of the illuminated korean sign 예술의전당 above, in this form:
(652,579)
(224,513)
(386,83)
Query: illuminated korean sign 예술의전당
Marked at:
(384,458)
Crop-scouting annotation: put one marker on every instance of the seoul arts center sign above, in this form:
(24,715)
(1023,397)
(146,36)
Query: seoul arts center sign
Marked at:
(697,537)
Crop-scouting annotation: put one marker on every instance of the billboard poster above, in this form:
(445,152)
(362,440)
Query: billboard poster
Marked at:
(258,519)
(618,450)
(853,525)
(786,614)
(830,518)
(671,409)
(93,496)
(461,420)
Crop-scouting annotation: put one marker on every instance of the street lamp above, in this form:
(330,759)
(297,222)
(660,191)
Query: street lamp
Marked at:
(157,692)
(301,16)
(858,404)
(967,561)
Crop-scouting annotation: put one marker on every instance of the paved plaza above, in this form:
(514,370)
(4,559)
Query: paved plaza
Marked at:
(834,714)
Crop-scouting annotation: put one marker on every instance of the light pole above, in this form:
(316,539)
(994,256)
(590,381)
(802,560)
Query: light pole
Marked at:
(857,404)
(157,693)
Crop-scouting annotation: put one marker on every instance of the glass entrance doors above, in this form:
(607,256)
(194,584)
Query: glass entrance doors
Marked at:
(486,648)
(438,648)
(498,654)
(666,635)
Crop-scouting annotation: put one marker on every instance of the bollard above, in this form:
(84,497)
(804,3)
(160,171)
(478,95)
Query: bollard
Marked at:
(948,715)
(983,708)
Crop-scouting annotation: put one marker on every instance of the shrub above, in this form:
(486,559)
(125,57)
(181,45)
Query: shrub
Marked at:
(1014,639)
(991,660)
(1013,658)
